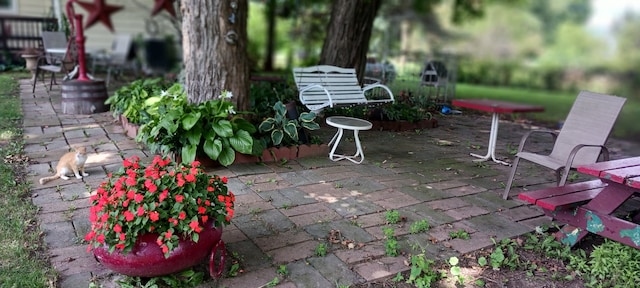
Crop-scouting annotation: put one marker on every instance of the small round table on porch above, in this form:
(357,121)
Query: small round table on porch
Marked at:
(348,123)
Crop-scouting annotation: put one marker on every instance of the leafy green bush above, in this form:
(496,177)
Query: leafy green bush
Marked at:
(176,126)
(610,264)
(129,100)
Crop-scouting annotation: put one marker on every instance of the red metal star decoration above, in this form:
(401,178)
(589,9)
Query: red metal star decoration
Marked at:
(99,11)
(163,5)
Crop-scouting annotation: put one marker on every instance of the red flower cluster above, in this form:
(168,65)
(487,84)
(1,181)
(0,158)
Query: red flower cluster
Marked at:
(169,199)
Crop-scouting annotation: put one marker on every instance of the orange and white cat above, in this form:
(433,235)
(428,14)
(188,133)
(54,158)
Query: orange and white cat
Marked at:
(70,162)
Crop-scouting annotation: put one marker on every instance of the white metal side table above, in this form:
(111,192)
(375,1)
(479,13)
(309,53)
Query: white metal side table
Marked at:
(349,123)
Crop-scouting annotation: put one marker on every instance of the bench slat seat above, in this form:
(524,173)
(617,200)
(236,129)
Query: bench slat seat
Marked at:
(559,197)
(328,86)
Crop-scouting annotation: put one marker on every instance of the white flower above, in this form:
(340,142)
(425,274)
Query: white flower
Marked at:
(226,94)
(231,111)
(164,93)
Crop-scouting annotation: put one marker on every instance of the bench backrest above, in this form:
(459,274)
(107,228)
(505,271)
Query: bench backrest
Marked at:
(341,83)
(590,121)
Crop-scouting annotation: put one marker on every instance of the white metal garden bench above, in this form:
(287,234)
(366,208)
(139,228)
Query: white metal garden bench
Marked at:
(328,86)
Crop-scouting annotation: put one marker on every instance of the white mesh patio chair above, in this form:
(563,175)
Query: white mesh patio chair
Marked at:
(118,59)
(580,141)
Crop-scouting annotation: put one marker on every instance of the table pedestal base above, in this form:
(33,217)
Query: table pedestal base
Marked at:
(336,140)
(348,123)
(491,150)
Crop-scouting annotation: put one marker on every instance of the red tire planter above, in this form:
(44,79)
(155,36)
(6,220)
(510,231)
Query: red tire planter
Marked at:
(147,260)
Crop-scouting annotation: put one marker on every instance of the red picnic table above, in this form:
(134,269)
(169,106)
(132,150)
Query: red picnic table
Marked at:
(496,107)
(589,206)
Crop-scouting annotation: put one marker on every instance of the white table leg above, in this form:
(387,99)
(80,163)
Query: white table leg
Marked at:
(336,140)
(359,151)
(493,139)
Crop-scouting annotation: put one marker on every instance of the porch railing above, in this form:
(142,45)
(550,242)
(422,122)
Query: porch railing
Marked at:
(20,32)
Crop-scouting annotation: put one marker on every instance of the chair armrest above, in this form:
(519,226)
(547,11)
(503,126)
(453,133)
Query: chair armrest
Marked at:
(377,85)
(576,149)
(523,141)
(572,155)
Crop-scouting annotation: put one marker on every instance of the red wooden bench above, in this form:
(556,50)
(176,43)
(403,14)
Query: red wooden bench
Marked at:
(562,197)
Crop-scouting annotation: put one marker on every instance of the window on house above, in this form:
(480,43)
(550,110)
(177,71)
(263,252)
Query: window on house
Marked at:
(7,5)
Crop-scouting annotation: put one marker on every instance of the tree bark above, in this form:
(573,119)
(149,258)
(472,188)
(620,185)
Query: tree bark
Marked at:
(271,35)
(349,30)
(214,44)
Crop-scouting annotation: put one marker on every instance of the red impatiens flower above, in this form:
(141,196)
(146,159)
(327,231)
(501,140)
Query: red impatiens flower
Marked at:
(190,178)
(151,187)
(117,228)
(163,195)
(195,226)
(138,197)
(158,198)
(154,216)
(131,181)
(128,216)
(180,180)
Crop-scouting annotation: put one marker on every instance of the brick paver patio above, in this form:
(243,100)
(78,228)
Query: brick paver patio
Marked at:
(285,210)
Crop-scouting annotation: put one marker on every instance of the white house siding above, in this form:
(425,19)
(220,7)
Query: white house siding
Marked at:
(129,20)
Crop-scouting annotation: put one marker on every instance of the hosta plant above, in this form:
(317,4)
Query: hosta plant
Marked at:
(283,131)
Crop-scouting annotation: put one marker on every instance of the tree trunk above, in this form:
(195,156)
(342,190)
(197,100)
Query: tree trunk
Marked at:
(348,34)
(271,34)
(214,44)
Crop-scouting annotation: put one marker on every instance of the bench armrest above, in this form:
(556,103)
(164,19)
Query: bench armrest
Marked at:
(314,107)
(523,141)
(377,85)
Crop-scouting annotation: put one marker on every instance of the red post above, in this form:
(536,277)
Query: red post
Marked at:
(82,76)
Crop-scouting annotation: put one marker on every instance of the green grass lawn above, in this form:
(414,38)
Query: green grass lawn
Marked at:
(23,260)
(556,105)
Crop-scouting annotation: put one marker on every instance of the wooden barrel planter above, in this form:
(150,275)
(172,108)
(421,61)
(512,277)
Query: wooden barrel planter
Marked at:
(84,97)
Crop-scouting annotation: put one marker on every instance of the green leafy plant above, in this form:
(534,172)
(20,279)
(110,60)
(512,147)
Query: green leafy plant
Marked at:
(391,244)
(283,131)
(496,258)
(399,111)
(422,272)
(234,269)
(185,129)
(129,100)
(282,270)
(482,261)
(392,216)
(610,264)
(460,234)
(398,277)
(321,250)
(187,278)
(420,226)
(455,270)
